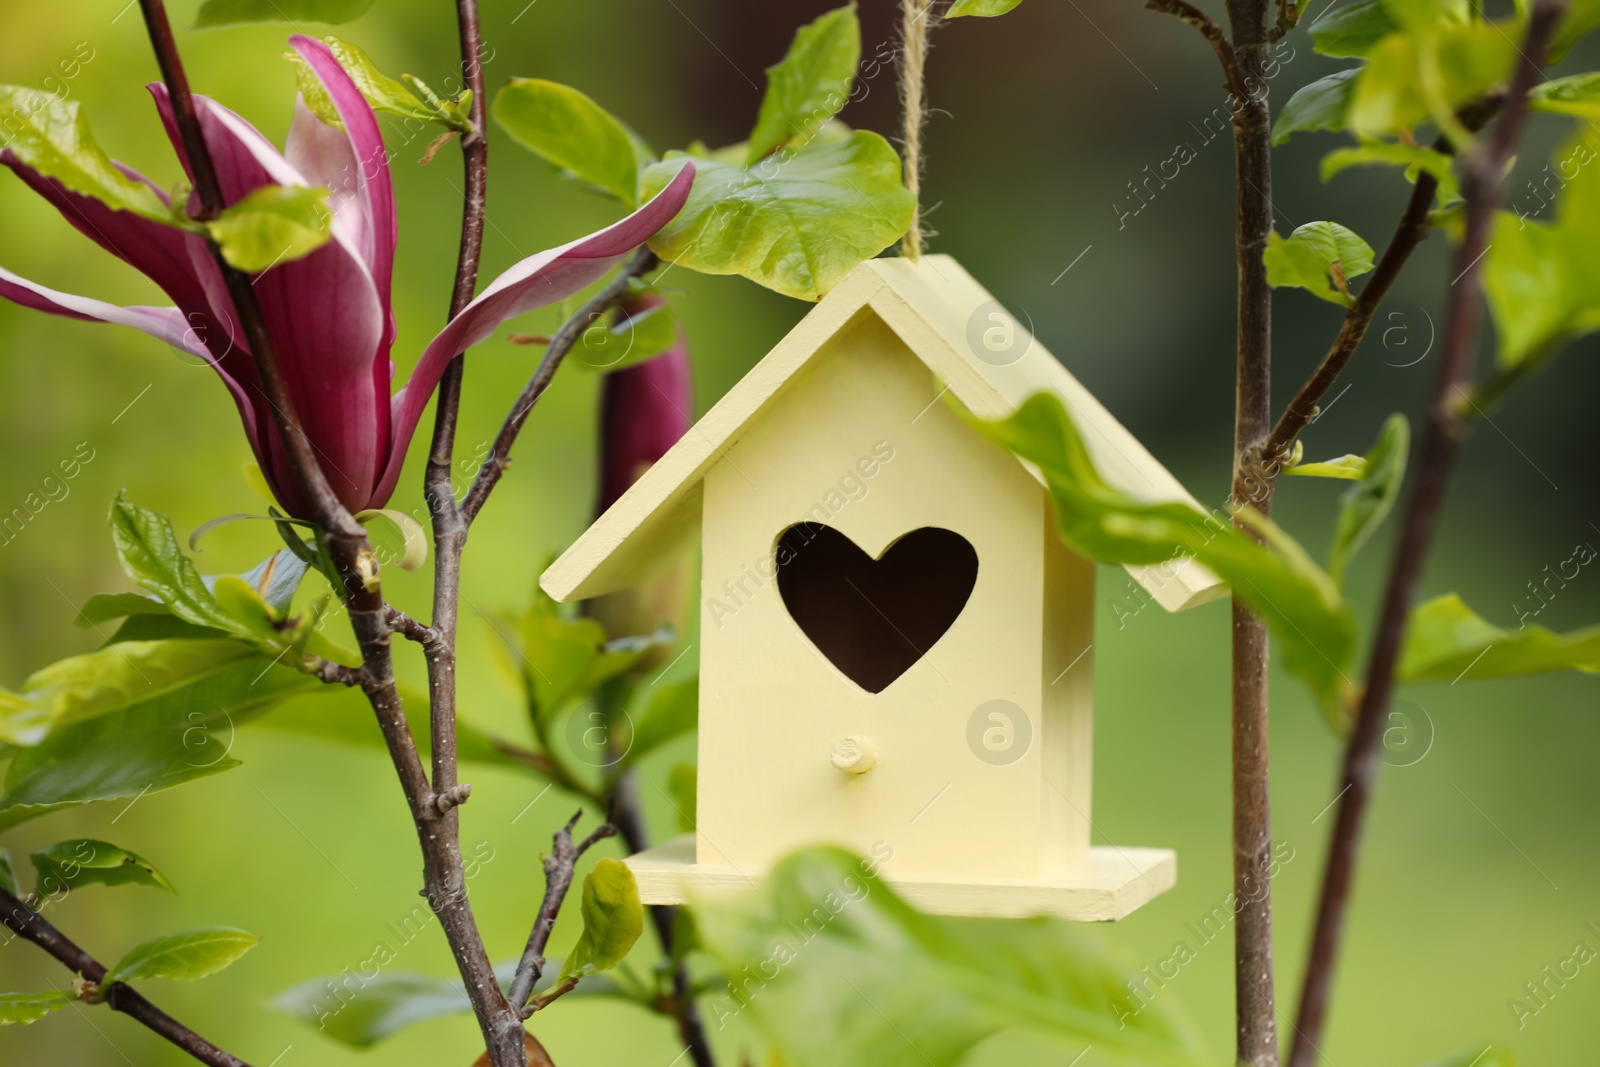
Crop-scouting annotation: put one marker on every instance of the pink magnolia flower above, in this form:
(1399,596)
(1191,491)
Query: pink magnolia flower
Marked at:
(329,314)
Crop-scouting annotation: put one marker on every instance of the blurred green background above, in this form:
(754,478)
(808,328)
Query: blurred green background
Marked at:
(1481,865)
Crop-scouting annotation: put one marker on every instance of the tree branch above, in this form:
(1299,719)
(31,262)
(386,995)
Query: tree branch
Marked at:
(643,262)
(1255,1004)
(118,996)
(1483,187)
(559,868)
(443,874)
(1411,232)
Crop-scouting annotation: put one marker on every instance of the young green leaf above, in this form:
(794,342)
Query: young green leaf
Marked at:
(857,960)
(980,8)
(382,1006)
(1542,279)
(1427,72)
(574,133)
(1303,606)
(51,135)
(112,679)
(1346,467)
(106,607)
(613,919)
(276,578)
(158,743)
(70,864)
(809,85)
(673,710)
(383,93)
(185,957)
(1365,505)
(1351,30)
(1319,257)
(1447,641)
(1578,95)
(415,540)
(1413,158)
(230,12)
(1582,18)
(151,556)
(630,342)
(1320,105)
(271,225)
(20,1009)
(798,225)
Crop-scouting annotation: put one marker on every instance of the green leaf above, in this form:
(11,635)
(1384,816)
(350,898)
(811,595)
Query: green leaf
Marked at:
(382,92)
(631,341)
(672,711)
(798,226)
(68,865)
(1578,95)
(613,919)
(1542,279)
(865,980)
(980,8)
(1428,72)
(24,1008)
(8,874)
(104,607)
(1320,105)
(382,1006)
(1301,604)
(561,659)
(571,131)
(1446,641)
(271,225)
(151,556)
(185,957)
(683,786)
(112,679)
(1346,467)
(51,135)
(1413,158)
(229,12)
(809,85)
(149,746)
(1350,31)
(276,578)
(1582,18)
(415,552)
(1318,257)
(1365,505)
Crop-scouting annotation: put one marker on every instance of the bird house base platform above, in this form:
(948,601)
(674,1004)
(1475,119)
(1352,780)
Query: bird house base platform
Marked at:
(1111,883)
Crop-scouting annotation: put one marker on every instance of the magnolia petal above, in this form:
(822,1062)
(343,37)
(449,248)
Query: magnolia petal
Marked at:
(367,158)
(325,318)
(163,323)
(537,281)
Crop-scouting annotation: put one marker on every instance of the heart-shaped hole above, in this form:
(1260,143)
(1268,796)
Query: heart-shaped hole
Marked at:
(874,618)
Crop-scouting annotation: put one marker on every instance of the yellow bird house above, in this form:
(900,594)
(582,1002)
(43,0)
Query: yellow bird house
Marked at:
(895,645)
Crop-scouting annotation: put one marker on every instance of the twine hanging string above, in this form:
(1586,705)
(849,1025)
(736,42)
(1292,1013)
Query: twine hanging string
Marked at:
(916,16)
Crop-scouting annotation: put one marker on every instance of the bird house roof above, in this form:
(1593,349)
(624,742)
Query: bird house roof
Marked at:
(929,304)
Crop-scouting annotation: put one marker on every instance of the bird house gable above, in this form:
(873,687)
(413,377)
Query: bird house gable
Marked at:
(969,345)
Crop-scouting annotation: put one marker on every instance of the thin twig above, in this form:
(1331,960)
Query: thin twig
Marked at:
(1483,187)
(559,869)
(118,996)
(499,458)
(1413,229)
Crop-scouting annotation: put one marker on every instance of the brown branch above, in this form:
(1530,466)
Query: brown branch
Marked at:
(1255,1004)
(1186,12)
(118,996)
(1483,187)
(1412,231)
(559,870)
(499,458)
(443,871)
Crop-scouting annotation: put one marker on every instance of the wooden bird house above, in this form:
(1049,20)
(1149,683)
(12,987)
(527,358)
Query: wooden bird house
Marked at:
(895,645)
